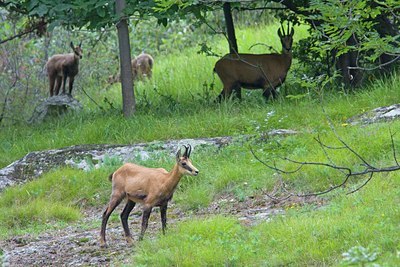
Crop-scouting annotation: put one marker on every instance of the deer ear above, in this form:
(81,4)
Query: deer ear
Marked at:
(72,45)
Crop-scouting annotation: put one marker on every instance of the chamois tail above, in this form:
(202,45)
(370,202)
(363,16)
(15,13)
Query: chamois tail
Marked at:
(110,177)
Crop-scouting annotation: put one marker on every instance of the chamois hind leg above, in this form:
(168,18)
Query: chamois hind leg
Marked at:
(226,92)
(58,85)
(114,202)
(145,221)
(124,219)
(163,211)
(64,83)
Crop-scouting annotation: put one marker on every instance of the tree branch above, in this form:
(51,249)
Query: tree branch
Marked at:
(347,171)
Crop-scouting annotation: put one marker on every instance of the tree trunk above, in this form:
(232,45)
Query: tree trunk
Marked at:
(230,29)
(128,96)
(350,77)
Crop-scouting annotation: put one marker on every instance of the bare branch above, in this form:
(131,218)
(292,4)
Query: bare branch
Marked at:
(366,182)
(393,147)
(347,171)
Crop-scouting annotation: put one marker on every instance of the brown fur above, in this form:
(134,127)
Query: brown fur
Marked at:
(255,71)
(142,66)
(149,186)
(60,67)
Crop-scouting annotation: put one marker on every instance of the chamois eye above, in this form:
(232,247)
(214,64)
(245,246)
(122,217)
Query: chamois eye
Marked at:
(183,163)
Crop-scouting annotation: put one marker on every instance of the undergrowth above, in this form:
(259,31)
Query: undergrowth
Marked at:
(179,103)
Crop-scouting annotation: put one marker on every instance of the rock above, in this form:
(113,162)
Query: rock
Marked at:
(380,114)
(86,157)
(54,106)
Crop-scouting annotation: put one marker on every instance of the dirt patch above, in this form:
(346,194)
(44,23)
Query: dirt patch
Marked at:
(74,246)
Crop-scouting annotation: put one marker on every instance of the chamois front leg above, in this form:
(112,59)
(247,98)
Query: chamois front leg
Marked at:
(52,83)
(163,211)
(145,220)
(64,83)
(71,84)
(124,219)
(268,92)
(58,85)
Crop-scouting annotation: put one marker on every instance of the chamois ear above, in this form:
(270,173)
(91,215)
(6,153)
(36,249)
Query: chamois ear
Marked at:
(178,155)
(80,44)
(185,154)
(72,45)
(190,150)
(279,33)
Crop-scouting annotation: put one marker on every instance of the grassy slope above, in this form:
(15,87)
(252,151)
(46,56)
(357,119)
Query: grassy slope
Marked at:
(181,108)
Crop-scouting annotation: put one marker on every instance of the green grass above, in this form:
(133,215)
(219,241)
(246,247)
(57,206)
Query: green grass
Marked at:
(303,237)
(176,104)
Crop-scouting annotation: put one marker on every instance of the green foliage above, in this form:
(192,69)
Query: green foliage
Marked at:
(367,28)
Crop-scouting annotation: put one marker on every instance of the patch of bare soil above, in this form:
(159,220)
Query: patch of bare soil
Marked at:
(74,246)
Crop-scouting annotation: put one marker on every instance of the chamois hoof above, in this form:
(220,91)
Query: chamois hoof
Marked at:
(129,240)
(103,244)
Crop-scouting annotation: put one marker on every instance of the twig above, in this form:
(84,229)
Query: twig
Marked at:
(92,99)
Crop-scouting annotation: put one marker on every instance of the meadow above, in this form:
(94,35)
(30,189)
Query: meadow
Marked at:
(360,228)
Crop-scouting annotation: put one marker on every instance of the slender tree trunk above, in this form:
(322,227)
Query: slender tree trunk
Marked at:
(128,96)
(230,28)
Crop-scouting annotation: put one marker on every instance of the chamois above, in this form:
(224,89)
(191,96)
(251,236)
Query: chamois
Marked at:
(256,71)
(149,186)
(59,67)
(142,66)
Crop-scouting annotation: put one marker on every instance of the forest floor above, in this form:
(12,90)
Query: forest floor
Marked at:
(74,246)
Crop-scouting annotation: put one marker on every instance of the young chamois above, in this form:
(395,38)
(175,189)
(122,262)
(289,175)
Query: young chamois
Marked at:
(256,71)
(152,187)
(59,67)
(142,66)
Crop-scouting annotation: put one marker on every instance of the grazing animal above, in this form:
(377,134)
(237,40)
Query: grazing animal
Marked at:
(142,66)
(256,71)
(149,186)
(60,67)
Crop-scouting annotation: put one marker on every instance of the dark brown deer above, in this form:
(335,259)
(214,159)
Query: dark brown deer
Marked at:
(256,71)
(151,187)
(61,67)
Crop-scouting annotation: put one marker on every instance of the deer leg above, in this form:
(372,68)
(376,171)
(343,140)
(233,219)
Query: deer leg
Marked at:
(145,221)
(71,83)
(124,219)
(114,202)
(58,85)
(163,211)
